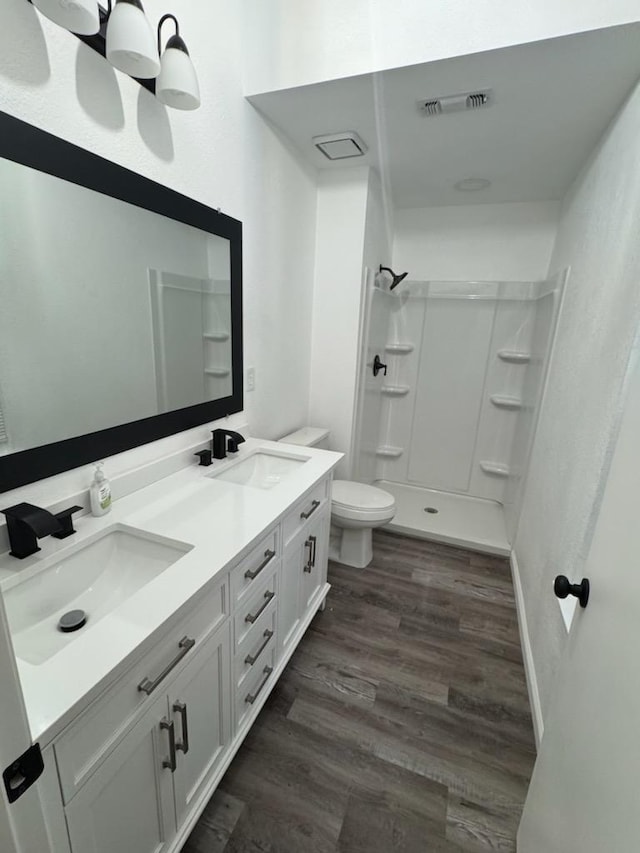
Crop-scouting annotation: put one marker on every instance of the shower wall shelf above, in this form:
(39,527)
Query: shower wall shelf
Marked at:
(395,390)
(216,336)
(514,357)
(399,349)
(217,371)
(504,401)
(389,452)
(495,469)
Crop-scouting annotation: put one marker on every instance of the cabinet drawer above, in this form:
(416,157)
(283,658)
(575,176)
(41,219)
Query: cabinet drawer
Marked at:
(87,742)
(254,687)
(254,605)
(250,571)
(305,509)
(258,641)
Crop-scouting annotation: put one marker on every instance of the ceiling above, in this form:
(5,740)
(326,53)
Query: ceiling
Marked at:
(552,101)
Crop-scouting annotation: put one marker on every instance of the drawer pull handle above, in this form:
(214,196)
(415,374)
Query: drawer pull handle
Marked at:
(251,659)
(251,697)
(251,617)
(181,708)
(314,540)
(268,556)
(148,686)
(314,507)
(170,763)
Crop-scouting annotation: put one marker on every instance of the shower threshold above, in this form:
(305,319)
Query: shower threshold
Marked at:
(445,517)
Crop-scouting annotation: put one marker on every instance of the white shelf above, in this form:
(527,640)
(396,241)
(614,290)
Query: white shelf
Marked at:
(504,401)
(389,452)
(216,336)
(398,348)
(514,357)
(395,390)
(495,469)
(217,371)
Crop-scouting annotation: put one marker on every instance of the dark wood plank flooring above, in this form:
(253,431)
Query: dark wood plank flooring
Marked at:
(400,724)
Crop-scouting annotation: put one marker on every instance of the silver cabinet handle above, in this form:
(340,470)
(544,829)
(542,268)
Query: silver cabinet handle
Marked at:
(251,698)
(268,556)
(251,617)
(170,762)
(251,659)
(308,565)
(148,686)
(182,745)
(314,507)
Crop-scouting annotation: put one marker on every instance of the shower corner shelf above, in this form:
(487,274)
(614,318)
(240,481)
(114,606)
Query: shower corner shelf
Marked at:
(395,390)
(397,348)
(388,451)
(496,469)
(504,401)
(216,336)
(514,357)
(217,371)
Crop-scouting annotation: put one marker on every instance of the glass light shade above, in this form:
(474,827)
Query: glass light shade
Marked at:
(77,16)
(131,44)
(177,84)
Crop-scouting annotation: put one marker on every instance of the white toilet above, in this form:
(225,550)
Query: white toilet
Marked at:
(355,507)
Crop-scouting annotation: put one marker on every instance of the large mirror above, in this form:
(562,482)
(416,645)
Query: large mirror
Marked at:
(120,308)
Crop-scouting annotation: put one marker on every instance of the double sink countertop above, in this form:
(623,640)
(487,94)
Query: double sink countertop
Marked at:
(218,521)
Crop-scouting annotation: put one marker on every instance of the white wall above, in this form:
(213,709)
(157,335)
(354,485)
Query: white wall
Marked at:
(598,239)
(341,225)
(476,242)
(293,43)
(223,155)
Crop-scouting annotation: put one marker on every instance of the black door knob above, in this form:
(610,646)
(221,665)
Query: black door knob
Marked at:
(378,366)
(563,588)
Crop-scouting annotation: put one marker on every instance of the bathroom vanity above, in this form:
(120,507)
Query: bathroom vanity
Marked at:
(198,589)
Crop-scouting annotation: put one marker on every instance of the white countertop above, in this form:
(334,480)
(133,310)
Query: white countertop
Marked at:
(219,519)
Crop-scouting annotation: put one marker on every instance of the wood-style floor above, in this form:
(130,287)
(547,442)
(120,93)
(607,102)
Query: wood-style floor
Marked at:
(400,724)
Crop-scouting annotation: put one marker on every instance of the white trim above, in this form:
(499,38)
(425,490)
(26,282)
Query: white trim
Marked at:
(527,653)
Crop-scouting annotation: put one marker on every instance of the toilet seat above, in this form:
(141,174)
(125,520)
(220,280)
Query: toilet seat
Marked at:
(358,501)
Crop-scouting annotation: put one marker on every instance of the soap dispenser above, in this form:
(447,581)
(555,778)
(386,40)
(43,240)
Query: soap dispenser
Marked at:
(100,492)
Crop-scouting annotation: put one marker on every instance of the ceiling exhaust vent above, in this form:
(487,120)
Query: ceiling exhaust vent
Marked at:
(340,146)
(456,103)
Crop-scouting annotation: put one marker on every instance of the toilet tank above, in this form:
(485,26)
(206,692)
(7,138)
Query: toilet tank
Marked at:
(309,437)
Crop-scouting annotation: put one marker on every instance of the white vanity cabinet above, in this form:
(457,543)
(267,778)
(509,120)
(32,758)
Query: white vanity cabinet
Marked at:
(143,791)
(138,765)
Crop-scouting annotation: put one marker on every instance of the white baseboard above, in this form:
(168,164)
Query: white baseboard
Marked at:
(527,653)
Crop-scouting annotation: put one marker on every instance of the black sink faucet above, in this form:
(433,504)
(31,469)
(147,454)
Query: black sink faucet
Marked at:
(219,444)
(27,523)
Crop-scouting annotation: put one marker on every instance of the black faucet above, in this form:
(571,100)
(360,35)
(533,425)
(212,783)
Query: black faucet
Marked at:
(27,523)
(219,444)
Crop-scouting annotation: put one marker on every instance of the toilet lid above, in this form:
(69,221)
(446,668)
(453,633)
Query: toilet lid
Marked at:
(345,493)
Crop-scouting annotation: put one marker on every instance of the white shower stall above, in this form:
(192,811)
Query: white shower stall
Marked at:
(447,430)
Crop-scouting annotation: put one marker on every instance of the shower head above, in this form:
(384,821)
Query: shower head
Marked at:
(396,279)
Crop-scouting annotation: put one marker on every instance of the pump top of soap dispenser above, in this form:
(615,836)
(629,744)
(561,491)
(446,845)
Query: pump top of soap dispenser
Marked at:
(99,473)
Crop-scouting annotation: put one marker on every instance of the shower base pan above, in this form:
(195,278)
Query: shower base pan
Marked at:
(460,520)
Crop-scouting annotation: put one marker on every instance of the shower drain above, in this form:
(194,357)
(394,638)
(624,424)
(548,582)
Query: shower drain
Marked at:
(431,509)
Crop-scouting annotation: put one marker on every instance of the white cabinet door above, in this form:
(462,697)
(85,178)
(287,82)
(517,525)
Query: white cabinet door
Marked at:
(200,707)
(295,555)
(128,804)
(314,572)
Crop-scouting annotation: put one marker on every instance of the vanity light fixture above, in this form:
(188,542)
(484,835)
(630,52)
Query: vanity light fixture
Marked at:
(177,84)
(130,43)
(78,16)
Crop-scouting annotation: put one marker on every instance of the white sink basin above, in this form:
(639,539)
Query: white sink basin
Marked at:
(263,469)
(95,576)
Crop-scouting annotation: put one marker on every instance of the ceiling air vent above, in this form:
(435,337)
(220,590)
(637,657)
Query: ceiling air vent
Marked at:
(455,103)
(340,146)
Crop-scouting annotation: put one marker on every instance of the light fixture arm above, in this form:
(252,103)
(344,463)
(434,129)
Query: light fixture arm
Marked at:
(160,23)
(104,13)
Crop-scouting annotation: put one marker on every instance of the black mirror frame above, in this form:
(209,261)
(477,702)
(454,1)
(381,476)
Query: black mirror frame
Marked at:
(36,149)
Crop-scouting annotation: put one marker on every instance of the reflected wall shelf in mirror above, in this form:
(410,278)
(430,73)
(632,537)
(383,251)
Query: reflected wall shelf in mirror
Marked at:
(119,299)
